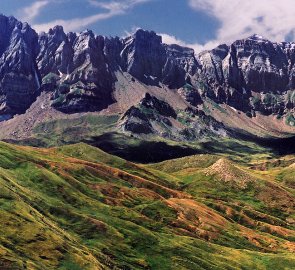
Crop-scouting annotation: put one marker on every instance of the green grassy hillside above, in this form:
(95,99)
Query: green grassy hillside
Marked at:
(76,207)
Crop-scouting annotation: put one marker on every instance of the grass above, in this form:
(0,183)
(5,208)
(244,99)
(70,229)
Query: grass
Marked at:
(77,207)
(65,131)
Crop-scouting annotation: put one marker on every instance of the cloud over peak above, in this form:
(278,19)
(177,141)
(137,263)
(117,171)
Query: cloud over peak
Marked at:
(110,9)
(29,13)
(270,18)
(238,19)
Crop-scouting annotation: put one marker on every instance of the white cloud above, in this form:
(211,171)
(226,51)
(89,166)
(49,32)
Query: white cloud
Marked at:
(170,39)
(74,24)
(113,8)
(30,12)
(119,6)
(272,19)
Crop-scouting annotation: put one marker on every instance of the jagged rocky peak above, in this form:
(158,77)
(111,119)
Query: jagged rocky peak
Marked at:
(52,49)
(257,37)
(144,56)
(182,62)
(152,62)
(142,38)
(247,66)
(19,77)
(177,50)
(145,117)
(142,35)
(57,33)
(160,106)
(7,24)
(262,64)
(15,34)
(75,69)
(81,70)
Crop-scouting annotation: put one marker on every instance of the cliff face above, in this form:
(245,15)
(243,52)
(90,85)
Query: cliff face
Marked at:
(74,67)
(149,60)
(19,75)
(80,70)
(252,73)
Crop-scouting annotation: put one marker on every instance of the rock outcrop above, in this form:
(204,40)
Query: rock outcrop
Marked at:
(19,75)
(252,73)
(152,116)
(149,116)
(83,80)
(150,61)
(80,70)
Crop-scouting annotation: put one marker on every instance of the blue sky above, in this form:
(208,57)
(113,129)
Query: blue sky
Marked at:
(201,24)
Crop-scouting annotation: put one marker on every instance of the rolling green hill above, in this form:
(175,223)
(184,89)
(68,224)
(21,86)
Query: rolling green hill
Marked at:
(76,207)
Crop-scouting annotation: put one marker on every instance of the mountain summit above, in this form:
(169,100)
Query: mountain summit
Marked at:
(89,73)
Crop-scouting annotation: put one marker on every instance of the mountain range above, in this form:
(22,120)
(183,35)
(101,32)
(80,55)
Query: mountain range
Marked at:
(154,88)
(128,153)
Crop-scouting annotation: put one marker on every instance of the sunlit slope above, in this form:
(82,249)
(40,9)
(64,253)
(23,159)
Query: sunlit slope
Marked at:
(76,207)
(256,196)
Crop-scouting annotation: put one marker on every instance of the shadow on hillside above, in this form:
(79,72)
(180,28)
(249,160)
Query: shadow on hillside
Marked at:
(278,146)
(136,150)
(139,151)
(282,146)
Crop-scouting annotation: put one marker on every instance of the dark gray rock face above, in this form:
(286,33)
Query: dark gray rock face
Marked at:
(85,82)
(152,116)
(138,120)
(149,60)
(19,76)
(252,65)
(80,70)
(181,66)
(86,66)
(159,106)
(190,94)
(144,55)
